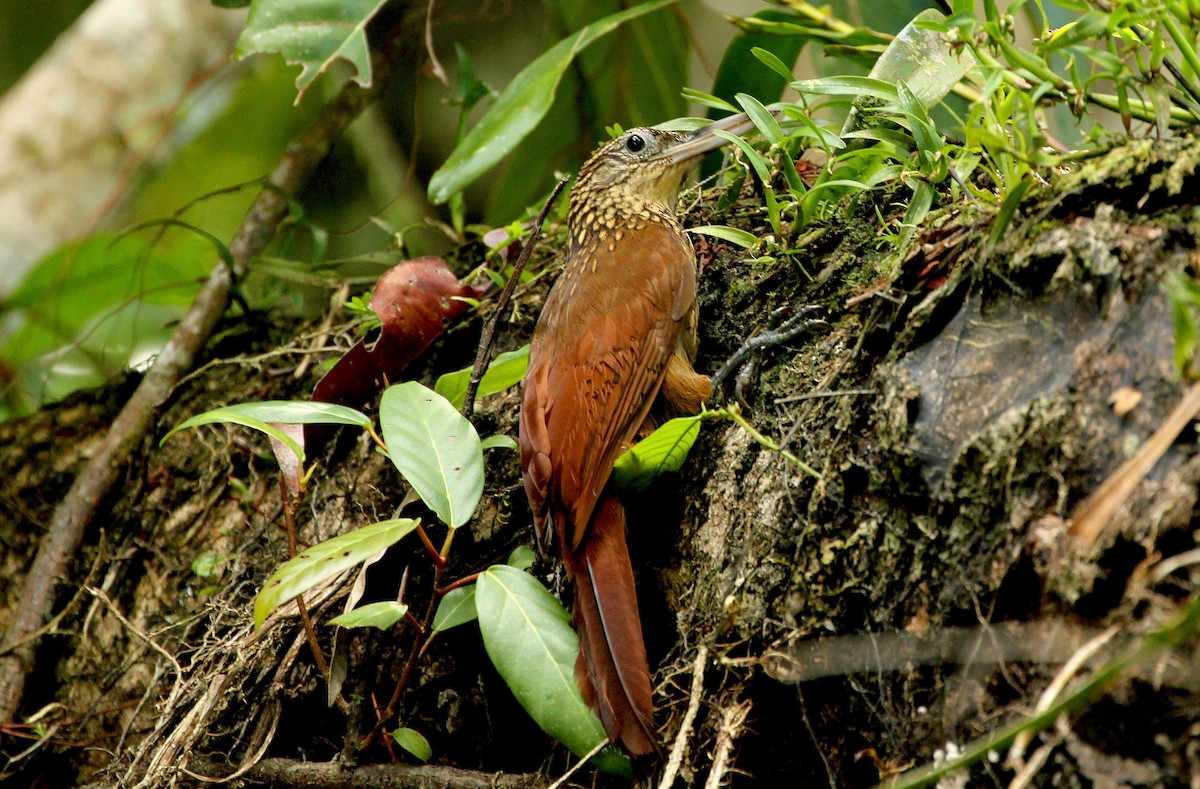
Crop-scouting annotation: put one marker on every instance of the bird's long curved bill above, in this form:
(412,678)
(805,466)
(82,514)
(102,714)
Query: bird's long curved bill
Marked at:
(704,139)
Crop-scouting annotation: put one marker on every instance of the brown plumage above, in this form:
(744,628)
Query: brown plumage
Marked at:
(617,333)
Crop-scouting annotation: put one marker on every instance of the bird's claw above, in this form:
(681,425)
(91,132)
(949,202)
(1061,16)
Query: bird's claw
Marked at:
(797,324)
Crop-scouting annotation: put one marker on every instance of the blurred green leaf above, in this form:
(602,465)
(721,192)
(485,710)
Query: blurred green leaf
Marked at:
(311,34)
(506,370)
(414,742)
(326,560)
(435,448)
(456,607)
(520,107)
(499,441)
(382,615)
(521,557)
(528,636)
(742,70)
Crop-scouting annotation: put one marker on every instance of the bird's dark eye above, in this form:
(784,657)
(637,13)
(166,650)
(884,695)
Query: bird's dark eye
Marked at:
(635,143)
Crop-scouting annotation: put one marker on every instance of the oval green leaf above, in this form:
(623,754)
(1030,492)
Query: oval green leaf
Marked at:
(456,608)
(520,107)
(662,451)
(528,636)
(288,412)
(500,441)
(435,448)
(506,370)
(521,557)
(325,560)
(414,742)
(381,615)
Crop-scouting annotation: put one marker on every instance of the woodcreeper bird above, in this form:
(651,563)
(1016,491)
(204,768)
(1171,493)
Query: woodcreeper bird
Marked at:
(616,339)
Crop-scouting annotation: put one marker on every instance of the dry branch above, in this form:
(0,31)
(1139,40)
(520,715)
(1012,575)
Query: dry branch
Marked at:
(328,775)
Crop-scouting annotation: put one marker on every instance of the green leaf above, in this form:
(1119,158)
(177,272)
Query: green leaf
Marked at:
(233,415)
(522,557)
(435,448)
(520,107)
(381,615)
(528,636)
(762,117)
(326,560)
(456,608)
(847,86)
(733,235)
(1008,209)
(290,412)
(499,441)
(742,69)
(413,742)
(311,34)
(662,451)
(506,370)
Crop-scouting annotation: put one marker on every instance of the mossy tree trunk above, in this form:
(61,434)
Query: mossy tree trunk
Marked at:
(837,630)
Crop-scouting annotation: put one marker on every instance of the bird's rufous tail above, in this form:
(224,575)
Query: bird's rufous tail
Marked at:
(612,670)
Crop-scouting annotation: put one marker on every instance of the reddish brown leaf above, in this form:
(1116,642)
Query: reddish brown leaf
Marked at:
(414,301)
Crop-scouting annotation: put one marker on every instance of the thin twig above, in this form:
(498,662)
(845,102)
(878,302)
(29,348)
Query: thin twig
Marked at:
(689,717)
(732,720)
(575,767)
(489,329)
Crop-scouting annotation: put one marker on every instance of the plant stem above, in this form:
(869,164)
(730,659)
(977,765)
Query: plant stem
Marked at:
(489,328)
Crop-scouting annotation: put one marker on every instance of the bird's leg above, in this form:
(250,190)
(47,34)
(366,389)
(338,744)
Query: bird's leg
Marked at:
(793,327)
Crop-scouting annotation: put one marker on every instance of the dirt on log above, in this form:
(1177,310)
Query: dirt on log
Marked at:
(921,592)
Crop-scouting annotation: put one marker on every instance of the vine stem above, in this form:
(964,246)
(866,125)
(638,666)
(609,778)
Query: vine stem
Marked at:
(489,328)
(425,632)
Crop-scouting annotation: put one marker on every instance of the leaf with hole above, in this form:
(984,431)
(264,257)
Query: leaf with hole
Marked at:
(435,448)
(311,34)
(326,560)
(528,636)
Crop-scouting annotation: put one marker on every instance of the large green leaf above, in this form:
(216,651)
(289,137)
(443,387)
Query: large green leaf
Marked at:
(311,34)
(520,107)
(528,636)
(506,370)
(435,448)
(325,560)
(662,451)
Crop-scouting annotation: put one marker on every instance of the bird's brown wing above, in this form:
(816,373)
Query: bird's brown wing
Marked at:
(597,362)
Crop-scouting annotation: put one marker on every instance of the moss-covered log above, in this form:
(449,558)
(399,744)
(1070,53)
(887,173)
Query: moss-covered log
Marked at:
(922,591)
